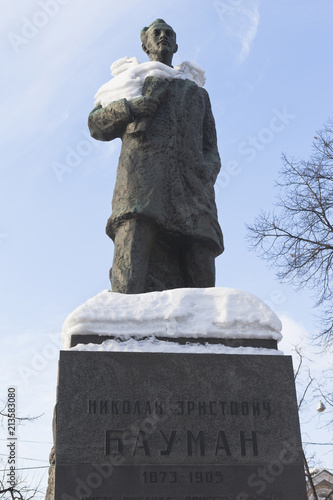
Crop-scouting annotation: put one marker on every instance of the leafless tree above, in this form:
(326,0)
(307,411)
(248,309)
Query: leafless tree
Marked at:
(22,490)
(296,238)
(304,382)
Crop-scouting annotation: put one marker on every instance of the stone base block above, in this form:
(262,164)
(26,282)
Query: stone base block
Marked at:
(142,426)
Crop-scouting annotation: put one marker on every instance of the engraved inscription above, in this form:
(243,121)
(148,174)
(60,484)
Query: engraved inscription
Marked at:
(193,443)
(183,407)
(196,476)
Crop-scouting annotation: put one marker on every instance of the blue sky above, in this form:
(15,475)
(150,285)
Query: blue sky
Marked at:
(269,78)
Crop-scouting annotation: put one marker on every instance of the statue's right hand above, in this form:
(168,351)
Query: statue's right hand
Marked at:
(143,106)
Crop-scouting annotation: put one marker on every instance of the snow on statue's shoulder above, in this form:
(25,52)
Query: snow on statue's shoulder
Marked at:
(186,312)
(192,71)
(124,64)
(129,76)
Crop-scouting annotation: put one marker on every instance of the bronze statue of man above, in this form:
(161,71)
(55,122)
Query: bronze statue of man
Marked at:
(164,219)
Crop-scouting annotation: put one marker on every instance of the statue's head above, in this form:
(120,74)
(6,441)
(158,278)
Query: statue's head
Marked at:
(159,42)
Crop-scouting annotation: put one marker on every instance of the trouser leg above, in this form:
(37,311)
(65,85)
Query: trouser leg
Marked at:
(133,243)
(199,263)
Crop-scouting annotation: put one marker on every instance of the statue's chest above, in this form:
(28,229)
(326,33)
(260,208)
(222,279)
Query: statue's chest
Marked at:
(183,103)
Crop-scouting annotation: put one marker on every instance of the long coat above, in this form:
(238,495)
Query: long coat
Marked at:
(168,164)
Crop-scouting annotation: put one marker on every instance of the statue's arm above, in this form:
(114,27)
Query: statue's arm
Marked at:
(209,147)
(110,122)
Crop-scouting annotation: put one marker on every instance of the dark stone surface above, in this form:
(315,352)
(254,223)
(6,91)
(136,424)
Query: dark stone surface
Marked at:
(177,426)
(164,218)
(98,339)
(181,482)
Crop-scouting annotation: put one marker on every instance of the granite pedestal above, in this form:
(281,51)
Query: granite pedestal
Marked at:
(156,426)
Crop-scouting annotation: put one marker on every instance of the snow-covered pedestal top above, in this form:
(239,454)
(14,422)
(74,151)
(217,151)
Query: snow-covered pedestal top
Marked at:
(187,312)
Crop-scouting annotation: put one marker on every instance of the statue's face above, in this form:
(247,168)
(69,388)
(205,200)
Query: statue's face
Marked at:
(160,43)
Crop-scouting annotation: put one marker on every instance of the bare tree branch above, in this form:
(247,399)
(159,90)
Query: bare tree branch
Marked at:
(309,477)
(22,490)
(297,237)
